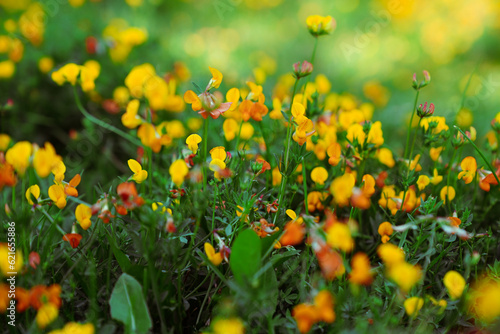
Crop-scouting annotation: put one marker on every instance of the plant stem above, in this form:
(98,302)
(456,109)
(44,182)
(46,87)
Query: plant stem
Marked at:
(205,146)
(304,183)
(411,122)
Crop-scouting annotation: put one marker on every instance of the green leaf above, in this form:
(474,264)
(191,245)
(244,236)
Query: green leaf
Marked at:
(245,256)
(128,305)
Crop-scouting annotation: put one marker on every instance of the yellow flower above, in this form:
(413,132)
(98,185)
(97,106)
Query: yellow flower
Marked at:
(339,236)
(436,123)
(323,85)
(422,182)
(305,316)
(435,152)
(219,153)
(46,314)
(5,265)
(361,270)
(341,188)
(57,195)
(464,118)
(4,141)
(320,25)
(139,174)
(276,176)
(413,305)
(390,254)
(137,77)
(75,328)
(19,156)
(319,175)
(247,131)
(441,303)
(215,258)
(216,78)
(130,119)
(121,95)
(385,157)
(45,159)
(454,283)
(34,191)
(323,302)
(178,171)
(404,275)
(469,168)
(192,142)
(151,138)
(67,73)
(89,72)
(58,170)
(83,213)
(447,193)
(436,179)
(228,326)
(484,299)
(334,152)
(368,187)
(230,128)
(385,230)
(45,64)
(7,69)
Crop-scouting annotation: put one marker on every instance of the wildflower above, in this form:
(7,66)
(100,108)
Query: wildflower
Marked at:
(302,70)
(447,193)
(413,305)
(128,195)
(34,191)
(73,239)
(320,25)
(385,157)
(130,119)
(215,258)
(228,326)
(70,188)
(46,315)
(18,156)
(422,182)
(442,304)
(390,254)
(319,175)
(404,275)
(45,159)
(75,328)
(306,315)
(230,128)
(454,283)
(385,230)
(424,111)
(484,299)
(435,152)
(151,138)
(294,232)
(57,195)
(436,178)
(192,142)
(139,174)
(454,220)
(469,168)
(34,259)
(361,270)
(436,123)
(41,294)
(5,261)
(341,188)
(338,236)
(315,200)
(83,213)
(423,83)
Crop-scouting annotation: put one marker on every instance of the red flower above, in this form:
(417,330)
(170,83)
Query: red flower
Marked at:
(73,239)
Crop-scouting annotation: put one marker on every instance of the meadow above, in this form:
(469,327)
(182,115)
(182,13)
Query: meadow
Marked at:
(249,166)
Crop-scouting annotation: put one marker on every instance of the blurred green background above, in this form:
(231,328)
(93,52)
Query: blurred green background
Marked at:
(377,42)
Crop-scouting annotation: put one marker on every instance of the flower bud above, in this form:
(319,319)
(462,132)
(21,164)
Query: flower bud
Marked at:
(424,111)
(422,84)
(302,70)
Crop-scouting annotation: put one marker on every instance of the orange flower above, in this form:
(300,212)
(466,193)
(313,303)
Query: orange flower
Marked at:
(294,232)
(361,270)
(41,294)
(469,168)
(385,230)
(129,196)
(70,188)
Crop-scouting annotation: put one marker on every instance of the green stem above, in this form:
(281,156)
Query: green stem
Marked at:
(205,148)
(103,124)
(414,140)
(480,153)
(411,122)
(304,183)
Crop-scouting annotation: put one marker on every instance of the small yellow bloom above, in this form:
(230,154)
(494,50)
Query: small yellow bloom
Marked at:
(178,171)
(83,213)
(130,119)
(385,157)
(422,182)
(341,188)
(276,176)
(436,178)
(219,153)
(216,78)
(230,128)
(45,160)
(247,131)
(4,141)
(390,254)
(46,315)
(5,265)
(19,156)
(334,152)
(7,69)
(464,118)
(228,326)
(469,168)
(320,25)
(68,72)
(192,142)
(319,175)
(45,64)
(34,191)
(139,174)
(339,237)
(57,195)
(435,152)
(385,230)
(447,193)
(75,328)
(215,258)
(454,283)
(413,305)
(404,275)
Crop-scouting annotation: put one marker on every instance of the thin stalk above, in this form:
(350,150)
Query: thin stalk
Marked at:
(205,147)
(411,122)
(304,183)
(103,124)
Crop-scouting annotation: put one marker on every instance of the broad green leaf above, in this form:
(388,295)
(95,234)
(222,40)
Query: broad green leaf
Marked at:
(245,256)
(128,305)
